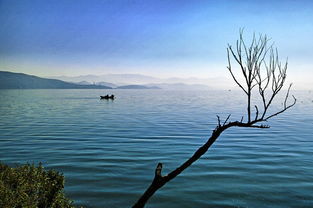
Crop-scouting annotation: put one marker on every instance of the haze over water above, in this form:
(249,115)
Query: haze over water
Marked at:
(164,39)
(108,150)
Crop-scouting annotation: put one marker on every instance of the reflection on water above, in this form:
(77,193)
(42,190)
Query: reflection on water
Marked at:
(108,149)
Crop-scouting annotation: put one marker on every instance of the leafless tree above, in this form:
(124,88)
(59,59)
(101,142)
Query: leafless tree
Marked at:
(260,68)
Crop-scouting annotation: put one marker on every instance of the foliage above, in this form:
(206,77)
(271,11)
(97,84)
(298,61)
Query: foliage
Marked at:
(31,186)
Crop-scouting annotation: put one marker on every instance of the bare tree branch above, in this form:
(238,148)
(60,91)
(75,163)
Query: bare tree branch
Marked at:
(254,61)
(226,120)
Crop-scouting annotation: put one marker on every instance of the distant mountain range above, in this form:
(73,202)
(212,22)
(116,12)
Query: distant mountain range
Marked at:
(137,87)
(179,86)
(121,80)
(117,79)
(10,80)
(96,83)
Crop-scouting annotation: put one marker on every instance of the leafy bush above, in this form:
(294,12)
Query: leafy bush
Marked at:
(31,186)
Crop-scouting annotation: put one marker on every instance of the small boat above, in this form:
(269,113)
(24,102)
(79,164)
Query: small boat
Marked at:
(107,97)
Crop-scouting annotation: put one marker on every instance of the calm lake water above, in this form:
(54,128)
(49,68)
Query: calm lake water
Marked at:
(108,150)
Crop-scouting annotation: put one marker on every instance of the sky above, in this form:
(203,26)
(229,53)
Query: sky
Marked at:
(163,38)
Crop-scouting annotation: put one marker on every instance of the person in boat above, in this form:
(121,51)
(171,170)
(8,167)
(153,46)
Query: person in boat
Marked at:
(107,97)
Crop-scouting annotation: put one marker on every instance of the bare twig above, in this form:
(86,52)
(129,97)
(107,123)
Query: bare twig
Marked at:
(252,62)
(226,120)
(218,120)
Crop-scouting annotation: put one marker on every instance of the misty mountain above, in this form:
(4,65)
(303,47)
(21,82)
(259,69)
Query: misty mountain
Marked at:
(180,86)
(137,87)
(96,83)
(117,79)
(106,84)
(83,83)
(10,80)
(191,83)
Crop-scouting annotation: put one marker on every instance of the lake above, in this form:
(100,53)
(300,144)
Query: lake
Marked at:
(108,150)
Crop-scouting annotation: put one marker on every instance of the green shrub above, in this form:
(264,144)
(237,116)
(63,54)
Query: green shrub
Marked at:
(31,186)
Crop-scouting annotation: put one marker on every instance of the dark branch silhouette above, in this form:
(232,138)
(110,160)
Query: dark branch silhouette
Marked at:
(254,61)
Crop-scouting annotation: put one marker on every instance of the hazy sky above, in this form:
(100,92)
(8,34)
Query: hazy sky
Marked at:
(161,38)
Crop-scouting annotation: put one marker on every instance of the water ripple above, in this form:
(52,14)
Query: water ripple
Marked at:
(108,149)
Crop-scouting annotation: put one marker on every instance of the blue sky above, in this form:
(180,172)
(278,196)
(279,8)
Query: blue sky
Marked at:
(160,38)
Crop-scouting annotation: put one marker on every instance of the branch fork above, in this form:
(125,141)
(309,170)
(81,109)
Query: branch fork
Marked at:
(254,61)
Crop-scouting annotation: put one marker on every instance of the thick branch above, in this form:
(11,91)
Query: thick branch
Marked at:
(254,55)
(160,180)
